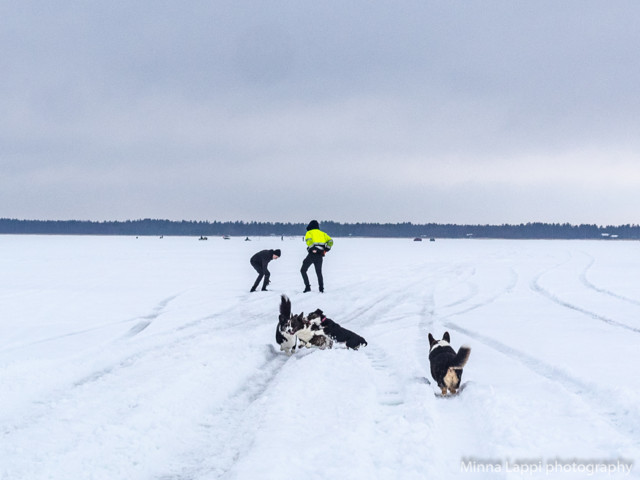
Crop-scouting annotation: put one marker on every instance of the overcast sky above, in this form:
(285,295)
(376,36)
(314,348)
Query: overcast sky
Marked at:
(353,111)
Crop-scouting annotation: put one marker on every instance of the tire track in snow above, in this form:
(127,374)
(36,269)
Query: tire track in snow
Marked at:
(46,403)
(144,322)
(178,339)
(392,299)
(401,417)
(175,342)
(182,335)
(473,291)
(228,430)
(585,281)
(536,287)
(232,415)
(148,319)
(602,401)
(377,309)
(472,288)
(242,312)
(391,392)
(508,288)
(628,423)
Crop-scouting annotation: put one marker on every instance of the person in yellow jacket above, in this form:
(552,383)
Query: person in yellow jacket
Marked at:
(318,244)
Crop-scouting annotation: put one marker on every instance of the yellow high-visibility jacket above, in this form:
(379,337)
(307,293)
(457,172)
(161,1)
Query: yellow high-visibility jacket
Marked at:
(318,239)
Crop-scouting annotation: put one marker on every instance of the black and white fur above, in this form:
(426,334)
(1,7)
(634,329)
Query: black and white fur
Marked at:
(295,330)
(310,333)
(336,332)
(285,337)
(446,364)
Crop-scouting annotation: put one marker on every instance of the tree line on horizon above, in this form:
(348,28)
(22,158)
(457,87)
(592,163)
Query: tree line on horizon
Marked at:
(149,227)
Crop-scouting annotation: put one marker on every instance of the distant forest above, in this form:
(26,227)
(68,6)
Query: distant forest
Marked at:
(335,229)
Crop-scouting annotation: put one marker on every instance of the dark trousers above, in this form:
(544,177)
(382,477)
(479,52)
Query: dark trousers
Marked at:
(261,273)
(316,260)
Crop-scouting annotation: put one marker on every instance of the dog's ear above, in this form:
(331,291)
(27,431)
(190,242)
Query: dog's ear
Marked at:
(446,337)
(432,340)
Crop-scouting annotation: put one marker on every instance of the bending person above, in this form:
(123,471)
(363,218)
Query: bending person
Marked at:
(260,261)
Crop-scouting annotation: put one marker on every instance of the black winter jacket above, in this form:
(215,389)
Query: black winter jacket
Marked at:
(263,258)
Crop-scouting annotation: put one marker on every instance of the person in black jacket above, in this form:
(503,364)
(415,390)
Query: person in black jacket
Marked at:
(260,261)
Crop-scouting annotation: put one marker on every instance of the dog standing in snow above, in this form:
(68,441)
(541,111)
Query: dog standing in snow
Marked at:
(446,364)
(285,337)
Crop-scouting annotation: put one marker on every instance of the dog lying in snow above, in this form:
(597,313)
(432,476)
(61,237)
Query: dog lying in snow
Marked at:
(335,331)
(292,328)
(310,333)
(446,364)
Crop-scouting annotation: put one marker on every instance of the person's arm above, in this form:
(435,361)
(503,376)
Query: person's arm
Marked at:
(328,242)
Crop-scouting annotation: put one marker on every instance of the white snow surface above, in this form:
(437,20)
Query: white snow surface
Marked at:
(148,358)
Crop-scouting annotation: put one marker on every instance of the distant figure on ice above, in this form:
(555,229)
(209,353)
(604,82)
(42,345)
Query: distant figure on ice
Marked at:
(318,244)
(260,262)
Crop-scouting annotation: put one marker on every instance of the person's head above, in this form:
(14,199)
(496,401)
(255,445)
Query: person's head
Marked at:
(313,224)
(276,254)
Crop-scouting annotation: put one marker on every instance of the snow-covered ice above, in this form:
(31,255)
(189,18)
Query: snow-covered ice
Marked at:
(148,358)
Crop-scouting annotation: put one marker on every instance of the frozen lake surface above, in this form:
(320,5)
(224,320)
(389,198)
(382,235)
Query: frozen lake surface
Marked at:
(148,358)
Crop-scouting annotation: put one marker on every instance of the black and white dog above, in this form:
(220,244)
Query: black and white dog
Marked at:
(336,332)
(294,328)
(310,333)
(285,337)
(446,364)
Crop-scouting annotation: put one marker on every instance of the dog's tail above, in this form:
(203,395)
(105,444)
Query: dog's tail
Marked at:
(285,308)
(461,357)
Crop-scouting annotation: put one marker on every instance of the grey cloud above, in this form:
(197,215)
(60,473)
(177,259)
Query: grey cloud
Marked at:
(151,103)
